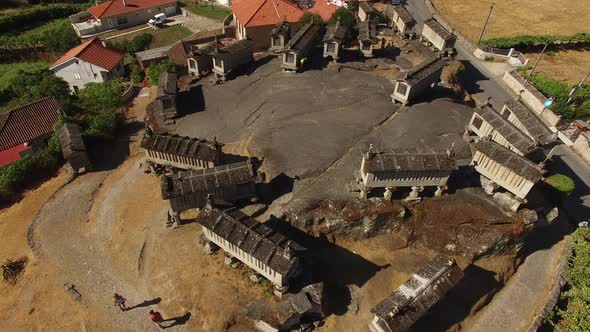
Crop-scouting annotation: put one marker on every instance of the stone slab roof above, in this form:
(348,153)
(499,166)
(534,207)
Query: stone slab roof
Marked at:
(366,7)
(404,14)
(438,29)
(424,70)
(252,237)
(411,159)
(531,122)
(237,47)
(402,308)
(509,159)
(207,180)
(304,38)
(367,31)
(70,139)
(509,131)
(335,32)
(183,146)
(153,53)
(281,28)
(166,84)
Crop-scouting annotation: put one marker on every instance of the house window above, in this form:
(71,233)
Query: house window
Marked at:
(506,113)
(477,122)
(276,41)
(290,57)
(366,46)
(77,76)
(331,47)
(402,88)
(192,64)
(76,89)
(122,20)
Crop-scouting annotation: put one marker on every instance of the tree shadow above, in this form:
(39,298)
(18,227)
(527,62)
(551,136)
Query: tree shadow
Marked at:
(471,76)
(108,155)
(191,101)
(280,185)
(473,292)
(146,303)
(180,320)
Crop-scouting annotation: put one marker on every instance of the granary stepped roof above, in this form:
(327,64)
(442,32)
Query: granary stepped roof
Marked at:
(70,139)
(531,122)
(402,308)
(335,32)
(242,45)
(183,146)
(509,159)
(367,31)
(438,29)
(509,131)
(252,237)
(424,70)
(409,159)
(403,13)
(167,84)
(208,180)
(303,38)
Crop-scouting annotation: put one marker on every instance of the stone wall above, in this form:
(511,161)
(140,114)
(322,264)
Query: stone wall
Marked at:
(582,146)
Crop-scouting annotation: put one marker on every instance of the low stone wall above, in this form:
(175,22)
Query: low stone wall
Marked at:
(531,97)
(555,292)
(582,147)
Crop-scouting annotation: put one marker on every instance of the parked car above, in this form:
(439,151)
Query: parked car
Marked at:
(397,2)
(158,19)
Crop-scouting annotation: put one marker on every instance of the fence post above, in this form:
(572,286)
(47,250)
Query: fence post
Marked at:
(510,52)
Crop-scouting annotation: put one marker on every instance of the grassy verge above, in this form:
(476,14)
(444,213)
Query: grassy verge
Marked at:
(207,10)
(42,27)
(162,37)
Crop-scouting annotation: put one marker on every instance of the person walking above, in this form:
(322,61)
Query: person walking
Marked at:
(119,301)
(156,317)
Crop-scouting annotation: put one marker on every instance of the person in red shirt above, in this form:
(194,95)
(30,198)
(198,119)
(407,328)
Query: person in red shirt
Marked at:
(156,317)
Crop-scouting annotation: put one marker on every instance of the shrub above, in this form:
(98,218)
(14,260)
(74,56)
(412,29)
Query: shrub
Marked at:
(99,103)
(309,17)
(139,43)
(346,18)
(59,37)
(527,41)
(137,74)
(27,86)
(561,182)
(353,5)
(103,124)
(155,69)
(453,74)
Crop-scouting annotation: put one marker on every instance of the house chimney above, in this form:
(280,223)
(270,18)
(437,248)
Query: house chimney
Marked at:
(289,253)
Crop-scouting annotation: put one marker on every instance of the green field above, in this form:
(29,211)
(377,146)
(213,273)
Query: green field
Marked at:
(162,37)
(33,30)
(207,10)
(9,70)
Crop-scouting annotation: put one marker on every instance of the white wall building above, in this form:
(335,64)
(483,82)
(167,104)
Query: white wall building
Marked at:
(438,36)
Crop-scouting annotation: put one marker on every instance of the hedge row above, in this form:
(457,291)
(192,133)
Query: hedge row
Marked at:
(526,41)
(36,14)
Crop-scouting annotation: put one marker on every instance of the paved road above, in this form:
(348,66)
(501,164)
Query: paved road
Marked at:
(566,161)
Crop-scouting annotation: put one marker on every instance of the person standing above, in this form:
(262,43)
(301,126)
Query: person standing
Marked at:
(119,301)
(156,317)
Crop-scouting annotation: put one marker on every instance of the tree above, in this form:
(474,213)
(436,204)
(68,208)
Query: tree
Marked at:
(452,74)
(353,5)
(139,43)
(346,18)
(309,17)
(155,69)
(561,182)
(97,97)
(137,74)
(60,37)
(29,86)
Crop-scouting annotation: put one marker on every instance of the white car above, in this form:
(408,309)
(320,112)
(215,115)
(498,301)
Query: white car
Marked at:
(158,19)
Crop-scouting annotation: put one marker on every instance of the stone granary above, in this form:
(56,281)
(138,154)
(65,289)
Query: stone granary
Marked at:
(367,37)
(166,96)
(439,37)
(73,147)
(333,39)
(502,167)
(417,80)
(526,121)
(403,20)
(200,58)
(228,183)
(365,11)
(231,57)
(300,46)
(486,122)
(264,250)
(402,308)
(309,305)
(279,36)
(416,168)
(181,152)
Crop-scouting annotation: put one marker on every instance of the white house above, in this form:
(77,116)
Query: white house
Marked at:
(89,62)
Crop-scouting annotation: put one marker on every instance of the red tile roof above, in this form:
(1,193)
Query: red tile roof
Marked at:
(92,52)
(253,13)
(28,122)
(117,7)
(11,155)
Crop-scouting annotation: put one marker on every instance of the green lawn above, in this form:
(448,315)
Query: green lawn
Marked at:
(38,29)
(207,10)
(10,70)
(162,37)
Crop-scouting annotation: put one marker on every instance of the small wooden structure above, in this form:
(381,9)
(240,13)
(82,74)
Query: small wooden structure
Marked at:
(333,39)
(367,37)
(229,183)
(300,46)
(439,37)
(153,55)
(181,152)
(403,20)
(231,57)
(279,36)
(415,168)
(487,122)
(505,168)
(417,80)
(365,11)
(402,308)
(526,121)
(200,58)
(166,95)
(73,147)
(261,248)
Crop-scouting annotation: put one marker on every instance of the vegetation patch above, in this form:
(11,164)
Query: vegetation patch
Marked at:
(209,10)
(562,183)
(156,68)
(529,41)
(23,19)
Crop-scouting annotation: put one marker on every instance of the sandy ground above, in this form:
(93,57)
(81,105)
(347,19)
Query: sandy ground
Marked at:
(509,18)
(567,66)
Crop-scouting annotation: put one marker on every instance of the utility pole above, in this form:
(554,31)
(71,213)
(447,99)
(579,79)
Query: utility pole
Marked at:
(575,88)
(485,24)
(537,62)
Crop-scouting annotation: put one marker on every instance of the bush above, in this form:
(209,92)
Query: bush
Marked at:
(59,37)
(137,74)
(527,41)
(23,17)
(309,17)
(561,182)
(139,43)
(453,75)
(353,5)
(103,124)
(27,86)
(99,103)
(346,18)
(155,69)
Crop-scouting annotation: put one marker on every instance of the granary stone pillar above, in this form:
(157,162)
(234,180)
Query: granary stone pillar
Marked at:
(230,260)
(280,290)
(415,194)
(210,248)
(488,185)
(364,192)
(440,190)
(388,193)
